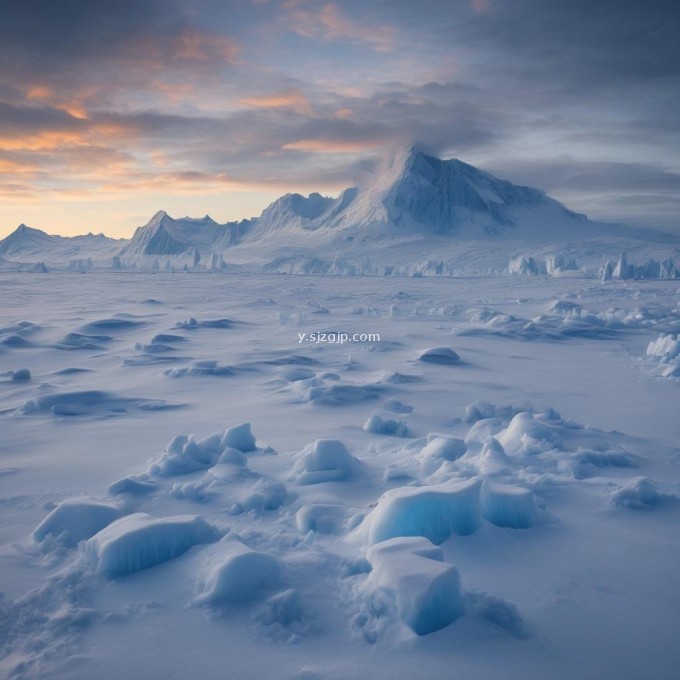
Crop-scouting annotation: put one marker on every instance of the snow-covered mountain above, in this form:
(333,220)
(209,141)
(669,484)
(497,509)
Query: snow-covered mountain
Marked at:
(26,245)
(416,214)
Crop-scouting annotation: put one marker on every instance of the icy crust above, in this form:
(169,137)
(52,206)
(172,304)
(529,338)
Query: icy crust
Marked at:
(236,574)
(426,589)
(75,520)
(140,541)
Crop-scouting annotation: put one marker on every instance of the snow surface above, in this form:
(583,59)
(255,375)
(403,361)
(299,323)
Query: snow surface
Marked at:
(188,490)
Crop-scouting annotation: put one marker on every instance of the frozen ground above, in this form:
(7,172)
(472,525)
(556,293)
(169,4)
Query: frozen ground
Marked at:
(505,506)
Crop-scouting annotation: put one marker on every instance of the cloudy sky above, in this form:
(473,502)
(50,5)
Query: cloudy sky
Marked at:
(110,111)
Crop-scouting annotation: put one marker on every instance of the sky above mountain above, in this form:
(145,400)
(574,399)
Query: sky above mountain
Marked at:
(110,111)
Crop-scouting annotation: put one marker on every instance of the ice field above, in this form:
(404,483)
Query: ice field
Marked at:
(188,490)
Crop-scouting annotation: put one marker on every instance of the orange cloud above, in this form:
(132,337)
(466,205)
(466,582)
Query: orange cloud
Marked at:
(45,140)
(330,23)
(331,146)
(292,98)
(193,45)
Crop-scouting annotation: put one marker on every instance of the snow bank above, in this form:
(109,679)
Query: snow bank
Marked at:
(238,574)
(639,494)
(426,589)
(439,355)
(508,506)
(435,512)
(141,541)
(328,460)
(75,520)
(379,425)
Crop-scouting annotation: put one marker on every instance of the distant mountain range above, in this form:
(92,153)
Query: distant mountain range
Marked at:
(416,214)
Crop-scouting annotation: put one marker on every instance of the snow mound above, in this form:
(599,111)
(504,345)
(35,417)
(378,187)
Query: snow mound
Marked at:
(192,324)
(327,460)
(132,486)
(387,426)
(322,518)
(266,495)
(89,403)
(21,375)
(525,434)
(75,520)
(81,341)
(110,325)
(435,512)
(140,541)
(508,506)
(331,392)
(438,450)
(425,588)
(446,448)
(397,406)
(439,355)
(640,494)
(199,368)
(238,574)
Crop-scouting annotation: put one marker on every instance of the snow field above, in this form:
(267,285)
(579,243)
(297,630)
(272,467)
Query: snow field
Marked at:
(494,535)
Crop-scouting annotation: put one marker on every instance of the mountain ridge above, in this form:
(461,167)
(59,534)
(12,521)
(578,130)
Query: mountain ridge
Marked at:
(414,206)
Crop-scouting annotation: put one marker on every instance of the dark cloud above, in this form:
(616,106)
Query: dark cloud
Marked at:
(579,98)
